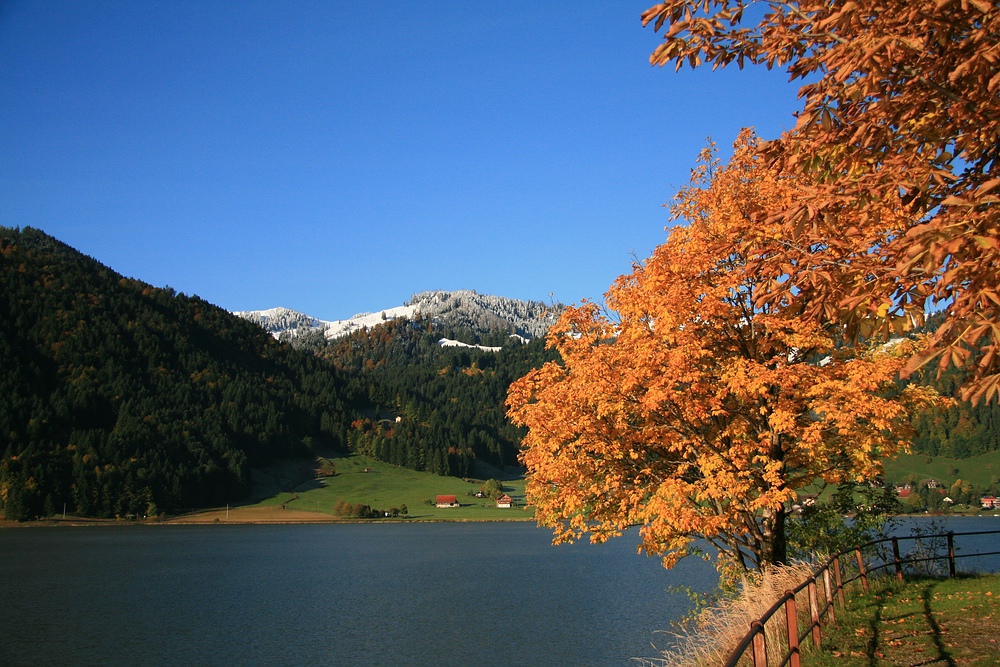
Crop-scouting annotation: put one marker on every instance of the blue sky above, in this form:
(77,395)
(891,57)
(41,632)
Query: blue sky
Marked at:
(336,157)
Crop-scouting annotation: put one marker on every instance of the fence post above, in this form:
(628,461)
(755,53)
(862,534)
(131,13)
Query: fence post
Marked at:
(792,626)
(838,578)
(829,596)
(861,568)
(951,553)
(758,639)
(814,612)
(759,645)
(895,555)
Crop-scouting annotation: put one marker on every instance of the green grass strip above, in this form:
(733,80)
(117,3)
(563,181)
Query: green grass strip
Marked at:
(925,622)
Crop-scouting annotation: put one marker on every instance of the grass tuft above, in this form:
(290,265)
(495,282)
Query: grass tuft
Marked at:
(720,628)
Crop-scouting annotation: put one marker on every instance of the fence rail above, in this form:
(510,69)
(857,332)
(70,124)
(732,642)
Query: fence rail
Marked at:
(788,637)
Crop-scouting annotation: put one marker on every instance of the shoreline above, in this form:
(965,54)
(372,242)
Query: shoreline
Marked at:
(237,516)
(271,515)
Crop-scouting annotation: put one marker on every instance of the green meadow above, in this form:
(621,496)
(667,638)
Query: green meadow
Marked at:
(382,486)
(981,470)
(359,479)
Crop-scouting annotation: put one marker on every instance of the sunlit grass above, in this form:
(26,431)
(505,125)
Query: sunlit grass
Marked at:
(383,486)
(979,470)
(920,622)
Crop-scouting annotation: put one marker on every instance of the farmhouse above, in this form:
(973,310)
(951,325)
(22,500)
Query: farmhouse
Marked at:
(504,500)
(989,502)
(446,501)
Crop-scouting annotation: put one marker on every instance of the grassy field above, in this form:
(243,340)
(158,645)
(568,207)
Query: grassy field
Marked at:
(290,491)
(932,622)
(293,485)
(981,470)
(383,486)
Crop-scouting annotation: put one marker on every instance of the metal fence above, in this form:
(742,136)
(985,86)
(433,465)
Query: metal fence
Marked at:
(824,591)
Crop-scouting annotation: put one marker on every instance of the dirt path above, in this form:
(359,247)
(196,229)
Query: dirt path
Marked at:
(255,514)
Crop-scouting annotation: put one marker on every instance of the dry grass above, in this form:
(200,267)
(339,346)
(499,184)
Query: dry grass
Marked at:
(719,629)
(253,514)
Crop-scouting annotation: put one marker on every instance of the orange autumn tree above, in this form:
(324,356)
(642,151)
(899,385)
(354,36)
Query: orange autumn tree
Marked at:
(693,412)
(901,101)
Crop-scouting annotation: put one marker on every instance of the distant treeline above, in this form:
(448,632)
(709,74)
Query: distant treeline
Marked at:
(960,430)
(433,408)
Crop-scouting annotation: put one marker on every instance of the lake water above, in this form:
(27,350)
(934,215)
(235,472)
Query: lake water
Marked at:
(403,595)
(385,594)
(965,546)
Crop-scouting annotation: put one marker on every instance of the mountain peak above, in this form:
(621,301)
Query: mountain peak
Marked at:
(463,308)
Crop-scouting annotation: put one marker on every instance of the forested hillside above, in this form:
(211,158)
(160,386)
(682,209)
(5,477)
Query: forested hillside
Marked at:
(120,398)
(959,431)
(434,408)
(962,429)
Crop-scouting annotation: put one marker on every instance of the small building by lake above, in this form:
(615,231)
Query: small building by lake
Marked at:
(446,501)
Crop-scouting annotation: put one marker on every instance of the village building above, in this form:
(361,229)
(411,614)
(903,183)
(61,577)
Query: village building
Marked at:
(989,503)
(446,501)
(504,500)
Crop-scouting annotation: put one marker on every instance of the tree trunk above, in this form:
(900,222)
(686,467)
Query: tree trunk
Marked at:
(775,547)
(774,550)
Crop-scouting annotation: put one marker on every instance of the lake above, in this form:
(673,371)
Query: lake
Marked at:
(409,595)
(374,594)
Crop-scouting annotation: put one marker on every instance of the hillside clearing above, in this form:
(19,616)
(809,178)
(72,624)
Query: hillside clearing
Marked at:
(981,470)
(292,493)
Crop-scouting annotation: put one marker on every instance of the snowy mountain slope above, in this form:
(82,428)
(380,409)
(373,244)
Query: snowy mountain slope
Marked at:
(279,320)
(448,342)
(464,308)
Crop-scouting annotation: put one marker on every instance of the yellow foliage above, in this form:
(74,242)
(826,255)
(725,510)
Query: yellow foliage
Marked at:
(691,410)
(897,139)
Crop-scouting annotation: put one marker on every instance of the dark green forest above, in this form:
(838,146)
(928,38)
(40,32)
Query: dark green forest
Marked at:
(960,430)
(434,408)
(119,398)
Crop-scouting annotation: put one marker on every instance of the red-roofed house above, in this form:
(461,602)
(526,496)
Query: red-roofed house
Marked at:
(504,500)
(446,501)
(989,503)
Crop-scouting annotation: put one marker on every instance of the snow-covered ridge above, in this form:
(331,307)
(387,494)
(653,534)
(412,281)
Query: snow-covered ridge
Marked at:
(480,312)
(279,320)
(448,342)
